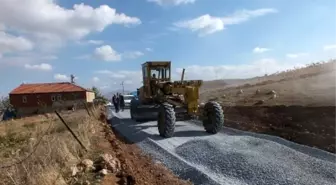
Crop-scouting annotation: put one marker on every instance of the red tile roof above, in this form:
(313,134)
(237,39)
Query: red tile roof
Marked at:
(47,88)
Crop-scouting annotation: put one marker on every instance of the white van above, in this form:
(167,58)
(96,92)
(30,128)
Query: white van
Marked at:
(127,99)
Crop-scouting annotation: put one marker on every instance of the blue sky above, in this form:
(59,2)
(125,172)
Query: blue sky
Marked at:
(104,42)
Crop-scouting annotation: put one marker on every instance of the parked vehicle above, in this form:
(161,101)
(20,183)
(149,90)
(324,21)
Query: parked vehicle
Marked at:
(127,99)
(108,104)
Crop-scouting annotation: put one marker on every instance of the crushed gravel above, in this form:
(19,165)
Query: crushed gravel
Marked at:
(230,157)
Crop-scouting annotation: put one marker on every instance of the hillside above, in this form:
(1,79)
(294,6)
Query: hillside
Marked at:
(297,105)
(310,86)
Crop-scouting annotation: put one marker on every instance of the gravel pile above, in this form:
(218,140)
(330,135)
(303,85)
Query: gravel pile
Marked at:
(249,160)
(234,158)
(176,164)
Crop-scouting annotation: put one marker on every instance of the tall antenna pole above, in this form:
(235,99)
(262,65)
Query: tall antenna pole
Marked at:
(122,84)
(72,78)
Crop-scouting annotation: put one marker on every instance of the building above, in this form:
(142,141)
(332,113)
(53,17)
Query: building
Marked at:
(45,97)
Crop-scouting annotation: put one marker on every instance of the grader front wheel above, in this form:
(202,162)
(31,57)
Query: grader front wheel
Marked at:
(166,120)
(213,117)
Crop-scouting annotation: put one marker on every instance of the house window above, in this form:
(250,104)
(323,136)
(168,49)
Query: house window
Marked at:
(59,97)
(24,99)
(53,98)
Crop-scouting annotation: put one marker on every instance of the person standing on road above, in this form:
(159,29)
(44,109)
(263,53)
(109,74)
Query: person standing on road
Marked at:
(121,102)
(115,102)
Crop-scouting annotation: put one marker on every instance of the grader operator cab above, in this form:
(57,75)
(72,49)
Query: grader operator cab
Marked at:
(164,100)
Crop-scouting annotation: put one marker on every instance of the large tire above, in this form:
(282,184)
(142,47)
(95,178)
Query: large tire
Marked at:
(133,108)
(166,120)
(213,117)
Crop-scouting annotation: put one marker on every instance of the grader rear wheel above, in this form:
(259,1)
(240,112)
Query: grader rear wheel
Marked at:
(133,108)
(213,117)
(166,120)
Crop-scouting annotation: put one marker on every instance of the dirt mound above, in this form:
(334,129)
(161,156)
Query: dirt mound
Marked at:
(137,168)
(312,126)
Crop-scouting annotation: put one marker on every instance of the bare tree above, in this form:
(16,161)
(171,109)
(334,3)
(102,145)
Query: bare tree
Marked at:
(4,103)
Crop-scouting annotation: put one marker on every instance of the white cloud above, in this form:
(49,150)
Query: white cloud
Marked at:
(133,54)
(41,67)
(104,87)
(124,74)
(172,2)
(207,24)
(107,53)
(149,49)
(132,79)
(10,43)
(95,79)
(329,47)
(20,59)
(128,82)
(96,42)
(296,55)
(50,24)
(118,75)
(45,17)
(93,42)
(103,72)
(61,77)
(260,50)
(49,57)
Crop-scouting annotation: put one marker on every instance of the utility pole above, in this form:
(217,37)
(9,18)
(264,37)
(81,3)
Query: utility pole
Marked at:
(72,78)
(122,84)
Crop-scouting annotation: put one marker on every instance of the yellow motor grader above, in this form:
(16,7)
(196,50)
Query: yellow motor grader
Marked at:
(168,101)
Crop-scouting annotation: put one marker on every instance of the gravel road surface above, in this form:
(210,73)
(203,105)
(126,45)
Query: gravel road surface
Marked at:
(229,157)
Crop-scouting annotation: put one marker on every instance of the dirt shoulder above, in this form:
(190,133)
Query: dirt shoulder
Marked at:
(137,167)
(311,126)
(40,150)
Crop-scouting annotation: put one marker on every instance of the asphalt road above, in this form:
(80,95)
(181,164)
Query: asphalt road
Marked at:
(229,157)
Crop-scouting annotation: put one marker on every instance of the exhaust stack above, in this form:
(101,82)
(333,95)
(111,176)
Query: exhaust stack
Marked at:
(182,77)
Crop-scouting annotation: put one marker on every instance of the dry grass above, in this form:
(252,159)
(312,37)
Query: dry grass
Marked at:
(50,148)
(309,86)
(291,74)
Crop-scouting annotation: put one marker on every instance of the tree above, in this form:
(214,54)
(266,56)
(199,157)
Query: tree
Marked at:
(98,94)
(96,91)
(4,103)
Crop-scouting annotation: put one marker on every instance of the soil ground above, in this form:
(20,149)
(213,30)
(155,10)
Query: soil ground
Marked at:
(138,168)
(40,150)
(302,109)
(312,126)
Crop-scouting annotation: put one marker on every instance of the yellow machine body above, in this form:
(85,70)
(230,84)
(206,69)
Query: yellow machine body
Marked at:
(183,93)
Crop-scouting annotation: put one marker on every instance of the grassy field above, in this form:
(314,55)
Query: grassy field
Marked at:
(40,150)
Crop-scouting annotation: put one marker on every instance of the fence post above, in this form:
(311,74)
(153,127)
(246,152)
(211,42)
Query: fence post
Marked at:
(73,134)
(87,109)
